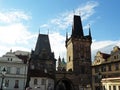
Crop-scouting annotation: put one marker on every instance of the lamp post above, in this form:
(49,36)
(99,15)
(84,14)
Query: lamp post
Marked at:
(100,77)
(3,76)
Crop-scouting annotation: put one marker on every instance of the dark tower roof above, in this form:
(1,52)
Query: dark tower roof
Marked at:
(77,30)
(42,44)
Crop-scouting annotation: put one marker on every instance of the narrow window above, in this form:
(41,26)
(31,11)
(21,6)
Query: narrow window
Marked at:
(69,58)
(117,66)
(118,87)
(43,82)
(114,87)
(35,82)
(8,70)
(109,87)
(16,84)
(6,83)
(109,67)
(17,70)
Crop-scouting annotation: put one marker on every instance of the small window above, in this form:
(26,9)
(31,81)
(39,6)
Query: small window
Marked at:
(109,67)
(114,87)
(69,58)
(117,66)
(35,82)
(103,68)
(6,83)
(109,87)
(17,70)
(43,81)
(96,70)
(8,70)
(16,84)
(103,88)
(118,87)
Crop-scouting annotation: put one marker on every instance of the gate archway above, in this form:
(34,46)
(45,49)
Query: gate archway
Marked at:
(64,84)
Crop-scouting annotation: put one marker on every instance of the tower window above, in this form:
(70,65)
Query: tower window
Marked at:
(69,58)
(83,70)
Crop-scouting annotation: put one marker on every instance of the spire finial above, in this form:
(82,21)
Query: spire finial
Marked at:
(48,31)
(66,34)
(89,30)
(73,12)
(39,30)
(79,12)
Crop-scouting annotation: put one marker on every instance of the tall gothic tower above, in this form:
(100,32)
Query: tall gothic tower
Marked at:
(79,53)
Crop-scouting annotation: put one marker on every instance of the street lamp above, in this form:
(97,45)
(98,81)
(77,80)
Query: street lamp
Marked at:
(100,77)
(3,76)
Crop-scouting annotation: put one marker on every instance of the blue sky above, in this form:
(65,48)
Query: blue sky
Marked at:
(20,22)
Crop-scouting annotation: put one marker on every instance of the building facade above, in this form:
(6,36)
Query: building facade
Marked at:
(108,65)
(15,65)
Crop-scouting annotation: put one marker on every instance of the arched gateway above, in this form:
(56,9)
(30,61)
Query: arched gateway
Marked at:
(64,84)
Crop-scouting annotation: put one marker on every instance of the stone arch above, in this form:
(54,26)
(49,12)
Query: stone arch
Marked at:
(64,84)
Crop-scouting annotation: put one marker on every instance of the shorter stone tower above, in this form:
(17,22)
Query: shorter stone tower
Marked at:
(42,63)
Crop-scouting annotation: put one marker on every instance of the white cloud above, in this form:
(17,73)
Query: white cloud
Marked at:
(103,46)
(64,20)
(44,26)
(57,42)
(13,33)
(16,37)
(13,16)
(87,10)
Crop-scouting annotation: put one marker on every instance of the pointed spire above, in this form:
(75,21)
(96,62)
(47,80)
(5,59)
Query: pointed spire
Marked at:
(89,31)
(66,35)
(48,31)
(39,30)
(73,12)
(59,63)
(77,29)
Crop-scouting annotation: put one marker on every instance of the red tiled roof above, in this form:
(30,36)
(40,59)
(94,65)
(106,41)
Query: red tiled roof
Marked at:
(105,55)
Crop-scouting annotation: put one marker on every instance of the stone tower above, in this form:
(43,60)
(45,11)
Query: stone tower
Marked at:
(79,54)
(42,63)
